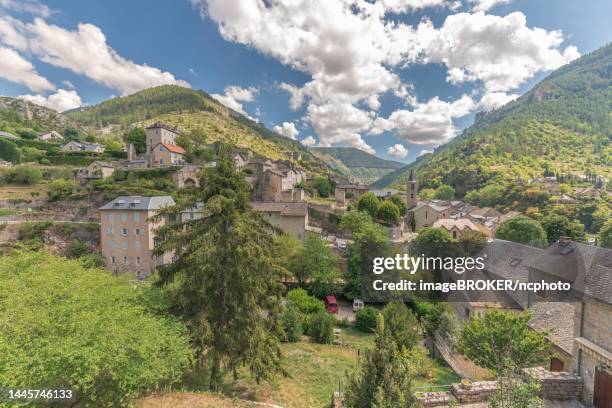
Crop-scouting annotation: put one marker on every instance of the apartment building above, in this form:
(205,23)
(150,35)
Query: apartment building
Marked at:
(127,236)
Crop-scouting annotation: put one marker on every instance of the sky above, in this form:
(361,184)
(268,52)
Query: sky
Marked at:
(395,78)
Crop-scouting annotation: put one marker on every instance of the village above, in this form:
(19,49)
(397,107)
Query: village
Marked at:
(578,331)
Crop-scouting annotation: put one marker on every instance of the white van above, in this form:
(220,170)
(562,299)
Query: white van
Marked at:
(357,304)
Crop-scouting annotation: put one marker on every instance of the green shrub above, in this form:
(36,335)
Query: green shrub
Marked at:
(321,327)
(292,324)
(365,319)
(70,160)
(75,249)
(93,260)
(23,175)
(33,230)
(305,303)
(60,188)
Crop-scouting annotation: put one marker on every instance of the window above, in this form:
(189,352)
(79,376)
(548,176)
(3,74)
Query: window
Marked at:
(125,245)
(124,232)
(137,260)
(161,148)
(161,162)
(113,260)
(111,217)
(124,217)
(425,214)
(125,260)
(136,217)
(455,234)
(137,232)
(110,231)
(112,244)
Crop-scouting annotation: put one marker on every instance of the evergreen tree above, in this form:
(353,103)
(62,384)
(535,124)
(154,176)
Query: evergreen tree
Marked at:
(383,378)
(319,266)
(225,279)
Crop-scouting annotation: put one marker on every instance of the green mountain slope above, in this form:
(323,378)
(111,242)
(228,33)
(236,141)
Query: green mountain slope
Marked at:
(17,115)
(563,125)
(354,163)
(192,112)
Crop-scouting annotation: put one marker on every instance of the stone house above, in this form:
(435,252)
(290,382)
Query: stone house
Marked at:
(159,156)
(589,271)
(51,136)
(127,236)
(241,159)
(349,192)
(74,146)
(426,213)
(165,154)
(96,170)
(292,218)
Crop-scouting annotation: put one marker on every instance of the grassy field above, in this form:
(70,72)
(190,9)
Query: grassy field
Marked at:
(12,192)
(314,373)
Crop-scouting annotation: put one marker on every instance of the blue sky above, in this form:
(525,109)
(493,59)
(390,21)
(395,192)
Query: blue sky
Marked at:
(394,77)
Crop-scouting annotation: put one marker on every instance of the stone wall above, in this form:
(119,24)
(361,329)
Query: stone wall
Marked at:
(434,399)
(556,385)
(479,391)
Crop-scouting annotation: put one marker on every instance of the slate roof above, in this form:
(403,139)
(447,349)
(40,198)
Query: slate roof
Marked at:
(352,187)
(138,203)
(588,267)
(558,319)
(460,223)
(285,209)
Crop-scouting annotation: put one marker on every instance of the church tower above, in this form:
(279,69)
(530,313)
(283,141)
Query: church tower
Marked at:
(411,195)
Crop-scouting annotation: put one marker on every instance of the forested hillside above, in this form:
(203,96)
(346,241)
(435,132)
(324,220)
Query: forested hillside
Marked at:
(354,163)
(562,126)
(195,113)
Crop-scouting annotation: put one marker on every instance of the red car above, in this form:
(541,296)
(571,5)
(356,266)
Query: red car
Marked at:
(331,305)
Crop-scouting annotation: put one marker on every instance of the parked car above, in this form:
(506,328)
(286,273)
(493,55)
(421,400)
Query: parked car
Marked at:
(331,305)
(357,304)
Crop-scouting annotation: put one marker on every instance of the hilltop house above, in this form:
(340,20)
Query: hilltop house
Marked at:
(74,146)
(127,235)
(161,148)
(52,136)
(96,170)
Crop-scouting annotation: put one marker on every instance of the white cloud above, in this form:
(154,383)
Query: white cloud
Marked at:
(494,100)
(484,5)
(234,96)
(288,129)
(398,150)
(60,101)
(85,52)
(26,6)
(425,151)
(429,123)
(502,52)
(68,84)
(14,68)
(309,141)
(352,51)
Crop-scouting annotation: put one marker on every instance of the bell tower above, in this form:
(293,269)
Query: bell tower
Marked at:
(411,194)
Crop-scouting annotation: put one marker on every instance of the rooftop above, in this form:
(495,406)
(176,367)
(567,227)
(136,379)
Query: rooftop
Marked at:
(558,319)
(172,148)
(159,125)
(138,203)
(287,209)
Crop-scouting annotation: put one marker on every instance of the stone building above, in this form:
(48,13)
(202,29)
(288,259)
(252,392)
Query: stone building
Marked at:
(96,170)
(292,218)
(74,146)
(51,136)
(457,226)
(127,236)
(349,192)
(187,176)
(161,148)
(589,271)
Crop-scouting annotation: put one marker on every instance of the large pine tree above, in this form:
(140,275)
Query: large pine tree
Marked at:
(225,280)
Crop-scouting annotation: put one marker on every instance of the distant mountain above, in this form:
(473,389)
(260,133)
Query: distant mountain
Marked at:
(192,112)
(354,163)
(17,115)
(561,126)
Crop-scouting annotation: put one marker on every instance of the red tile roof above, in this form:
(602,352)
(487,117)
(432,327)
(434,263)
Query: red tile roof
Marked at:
(172,148)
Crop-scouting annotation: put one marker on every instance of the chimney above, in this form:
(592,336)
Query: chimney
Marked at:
(130,152)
